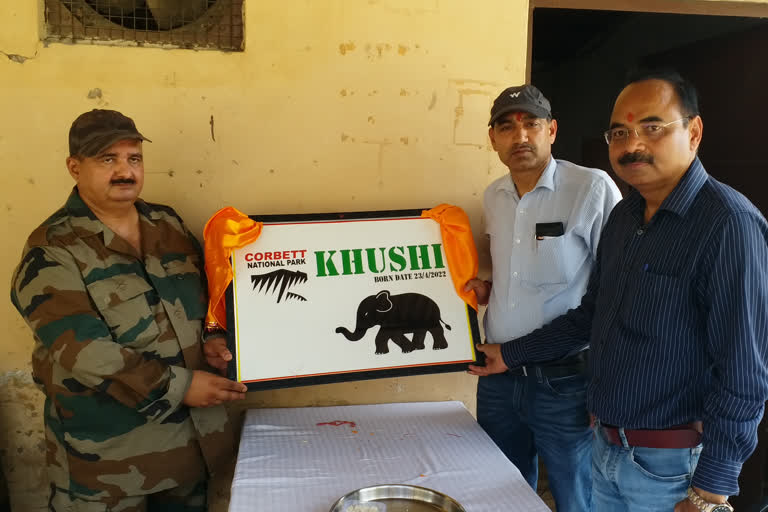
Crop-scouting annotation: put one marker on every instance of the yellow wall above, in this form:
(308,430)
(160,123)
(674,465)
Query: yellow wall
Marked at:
(335,105)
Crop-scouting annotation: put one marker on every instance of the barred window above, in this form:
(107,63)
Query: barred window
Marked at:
(195,24)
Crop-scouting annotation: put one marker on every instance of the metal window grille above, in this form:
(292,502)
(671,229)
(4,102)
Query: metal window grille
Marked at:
(195,24)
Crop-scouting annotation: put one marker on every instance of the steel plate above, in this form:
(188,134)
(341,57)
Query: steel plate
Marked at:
(400,498)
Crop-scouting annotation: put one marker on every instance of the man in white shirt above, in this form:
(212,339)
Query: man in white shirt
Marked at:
(544,220)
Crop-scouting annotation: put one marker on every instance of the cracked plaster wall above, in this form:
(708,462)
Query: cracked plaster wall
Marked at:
(335,105)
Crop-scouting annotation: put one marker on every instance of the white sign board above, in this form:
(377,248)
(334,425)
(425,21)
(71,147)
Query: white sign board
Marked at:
(325,298)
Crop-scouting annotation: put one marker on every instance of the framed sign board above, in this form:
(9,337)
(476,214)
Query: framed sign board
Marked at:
(335,297)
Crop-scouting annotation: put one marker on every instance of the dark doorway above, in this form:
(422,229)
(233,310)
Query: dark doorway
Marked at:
(579,60)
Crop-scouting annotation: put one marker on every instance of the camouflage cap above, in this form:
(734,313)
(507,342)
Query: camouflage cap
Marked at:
(94,131)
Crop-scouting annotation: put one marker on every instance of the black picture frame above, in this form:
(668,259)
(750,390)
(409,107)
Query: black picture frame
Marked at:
(351,375)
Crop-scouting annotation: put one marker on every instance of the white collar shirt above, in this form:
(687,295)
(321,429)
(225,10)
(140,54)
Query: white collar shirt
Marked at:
(537,280)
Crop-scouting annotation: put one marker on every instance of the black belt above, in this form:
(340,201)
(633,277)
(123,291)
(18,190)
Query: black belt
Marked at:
(573,365)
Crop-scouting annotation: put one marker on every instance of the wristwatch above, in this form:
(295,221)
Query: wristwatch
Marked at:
(705,506)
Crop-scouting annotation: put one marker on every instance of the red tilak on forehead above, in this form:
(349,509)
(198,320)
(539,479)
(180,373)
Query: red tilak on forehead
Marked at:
(519,116)
(630,117)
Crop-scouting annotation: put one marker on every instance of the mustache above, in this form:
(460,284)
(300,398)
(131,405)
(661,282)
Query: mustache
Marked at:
(123,181)
(636,157)
(522,146)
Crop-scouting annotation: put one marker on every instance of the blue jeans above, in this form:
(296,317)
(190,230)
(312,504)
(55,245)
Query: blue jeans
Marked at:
(637,479)
(535,415)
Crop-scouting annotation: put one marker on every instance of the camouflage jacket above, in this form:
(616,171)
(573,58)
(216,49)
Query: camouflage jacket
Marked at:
(117,336)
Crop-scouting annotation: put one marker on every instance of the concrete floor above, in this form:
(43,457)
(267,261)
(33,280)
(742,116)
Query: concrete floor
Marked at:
(545,495)
(543,489)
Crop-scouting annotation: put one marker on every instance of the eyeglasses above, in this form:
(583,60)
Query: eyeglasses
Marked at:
(648,131)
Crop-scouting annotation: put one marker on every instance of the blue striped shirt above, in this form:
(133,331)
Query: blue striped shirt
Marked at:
(676,313)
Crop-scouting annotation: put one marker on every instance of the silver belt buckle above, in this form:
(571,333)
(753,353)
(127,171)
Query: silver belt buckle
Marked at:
(525,372)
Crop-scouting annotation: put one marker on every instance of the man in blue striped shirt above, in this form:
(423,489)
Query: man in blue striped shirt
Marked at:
(676,314)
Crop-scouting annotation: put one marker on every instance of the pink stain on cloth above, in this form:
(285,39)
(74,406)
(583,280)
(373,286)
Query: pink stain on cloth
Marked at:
(338,423)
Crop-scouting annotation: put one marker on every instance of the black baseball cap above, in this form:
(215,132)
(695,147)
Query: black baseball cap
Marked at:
(522,98)
(94,131)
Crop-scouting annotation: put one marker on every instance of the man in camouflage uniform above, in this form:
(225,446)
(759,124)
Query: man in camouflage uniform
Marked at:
(113,290)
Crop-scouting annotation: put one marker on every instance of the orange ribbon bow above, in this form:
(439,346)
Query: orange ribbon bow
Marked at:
(460,250)
(227,230)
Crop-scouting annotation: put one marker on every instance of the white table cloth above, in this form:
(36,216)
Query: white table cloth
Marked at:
(304,459)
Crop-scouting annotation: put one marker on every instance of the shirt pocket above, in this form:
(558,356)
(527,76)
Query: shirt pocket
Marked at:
(653,302)
(553,264)
(187,282)
(122,303)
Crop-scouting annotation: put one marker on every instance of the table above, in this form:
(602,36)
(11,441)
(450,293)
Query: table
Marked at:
(304,459)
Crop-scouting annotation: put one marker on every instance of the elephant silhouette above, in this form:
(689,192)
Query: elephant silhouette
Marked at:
(398,315)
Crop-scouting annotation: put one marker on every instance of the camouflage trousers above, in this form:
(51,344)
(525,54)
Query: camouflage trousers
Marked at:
(185,498)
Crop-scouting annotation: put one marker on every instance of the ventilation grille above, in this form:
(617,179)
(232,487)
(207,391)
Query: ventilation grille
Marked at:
(195,24)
